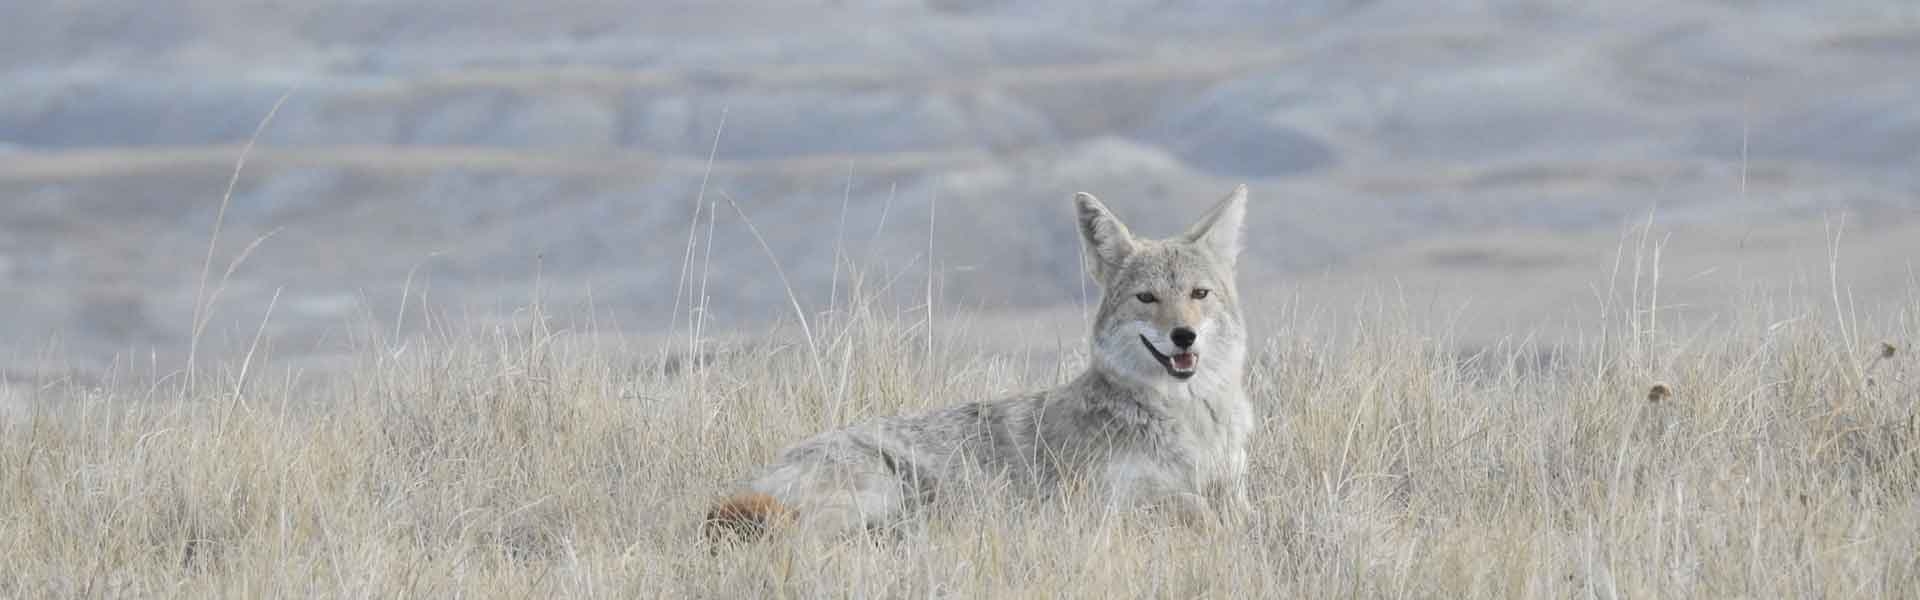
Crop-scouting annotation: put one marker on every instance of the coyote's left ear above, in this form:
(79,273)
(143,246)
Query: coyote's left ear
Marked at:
(1219,230)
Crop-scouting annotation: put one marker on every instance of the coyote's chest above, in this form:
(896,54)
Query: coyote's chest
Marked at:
(1201,444)
(1211,433)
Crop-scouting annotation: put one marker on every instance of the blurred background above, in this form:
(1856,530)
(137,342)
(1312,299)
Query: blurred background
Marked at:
(1485,162)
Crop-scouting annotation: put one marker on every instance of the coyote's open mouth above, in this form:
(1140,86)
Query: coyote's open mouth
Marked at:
(1180,366)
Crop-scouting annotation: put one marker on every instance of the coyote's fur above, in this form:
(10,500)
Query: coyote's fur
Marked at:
(1160,417)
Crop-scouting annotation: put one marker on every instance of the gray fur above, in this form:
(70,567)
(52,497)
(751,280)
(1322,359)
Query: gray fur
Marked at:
(1127,428)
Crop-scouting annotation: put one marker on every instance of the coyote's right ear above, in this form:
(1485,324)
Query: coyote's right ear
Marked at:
(1108,243)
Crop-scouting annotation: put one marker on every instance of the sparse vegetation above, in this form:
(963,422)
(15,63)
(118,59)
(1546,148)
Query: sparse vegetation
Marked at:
(533,461)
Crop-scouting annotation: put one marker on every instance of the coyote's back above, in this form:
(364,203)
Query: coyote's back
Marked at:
(1159,418)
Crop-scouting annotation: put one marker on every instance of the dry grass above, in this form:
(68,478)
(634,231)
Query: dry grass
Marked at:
(1770,454)
(529,462)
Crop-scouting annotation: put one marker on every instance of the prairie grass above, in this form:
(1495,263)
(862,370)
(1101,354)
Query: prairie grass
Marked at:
(1776,459)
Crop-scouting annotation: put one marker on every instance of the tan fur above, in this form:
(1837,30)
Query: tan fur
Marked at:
(746,516)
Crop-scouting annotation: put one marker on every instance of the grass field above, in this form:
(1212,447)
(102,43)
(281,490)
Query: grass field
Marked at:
(1471,379)
(540,460)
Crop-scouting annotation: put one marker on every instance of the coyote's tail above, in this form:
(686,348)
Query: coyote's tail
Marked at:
(745,517)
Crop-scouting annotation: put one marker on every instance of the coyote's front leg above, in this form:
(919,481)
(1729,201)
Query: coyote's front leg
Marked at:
(1230,500)
(1141,485)
(1193,510)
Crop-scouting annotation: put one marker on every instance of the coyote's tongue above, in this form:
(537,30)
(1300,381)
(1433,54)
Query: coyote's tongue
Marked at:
(1182,361)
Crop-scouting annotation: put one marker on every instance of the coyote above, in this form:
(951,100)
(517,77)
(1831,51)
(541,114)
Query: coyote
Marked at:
(1159,419)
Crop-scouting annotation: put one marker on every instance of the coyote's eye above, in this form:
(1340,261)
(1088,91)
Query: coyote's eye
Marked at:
(1146,297)
(1201,293)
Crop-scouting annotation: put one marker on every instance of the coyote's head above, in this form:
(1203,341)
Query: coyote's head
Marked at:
(1170,311)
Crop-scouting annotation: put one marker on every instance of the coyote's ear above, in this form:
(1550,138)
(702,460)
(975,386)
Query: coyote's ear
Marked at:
(1108,243)
(1219,230)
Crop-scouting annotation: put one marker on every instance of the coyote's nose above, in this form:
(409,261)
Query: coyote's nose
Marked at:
(1183,337)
